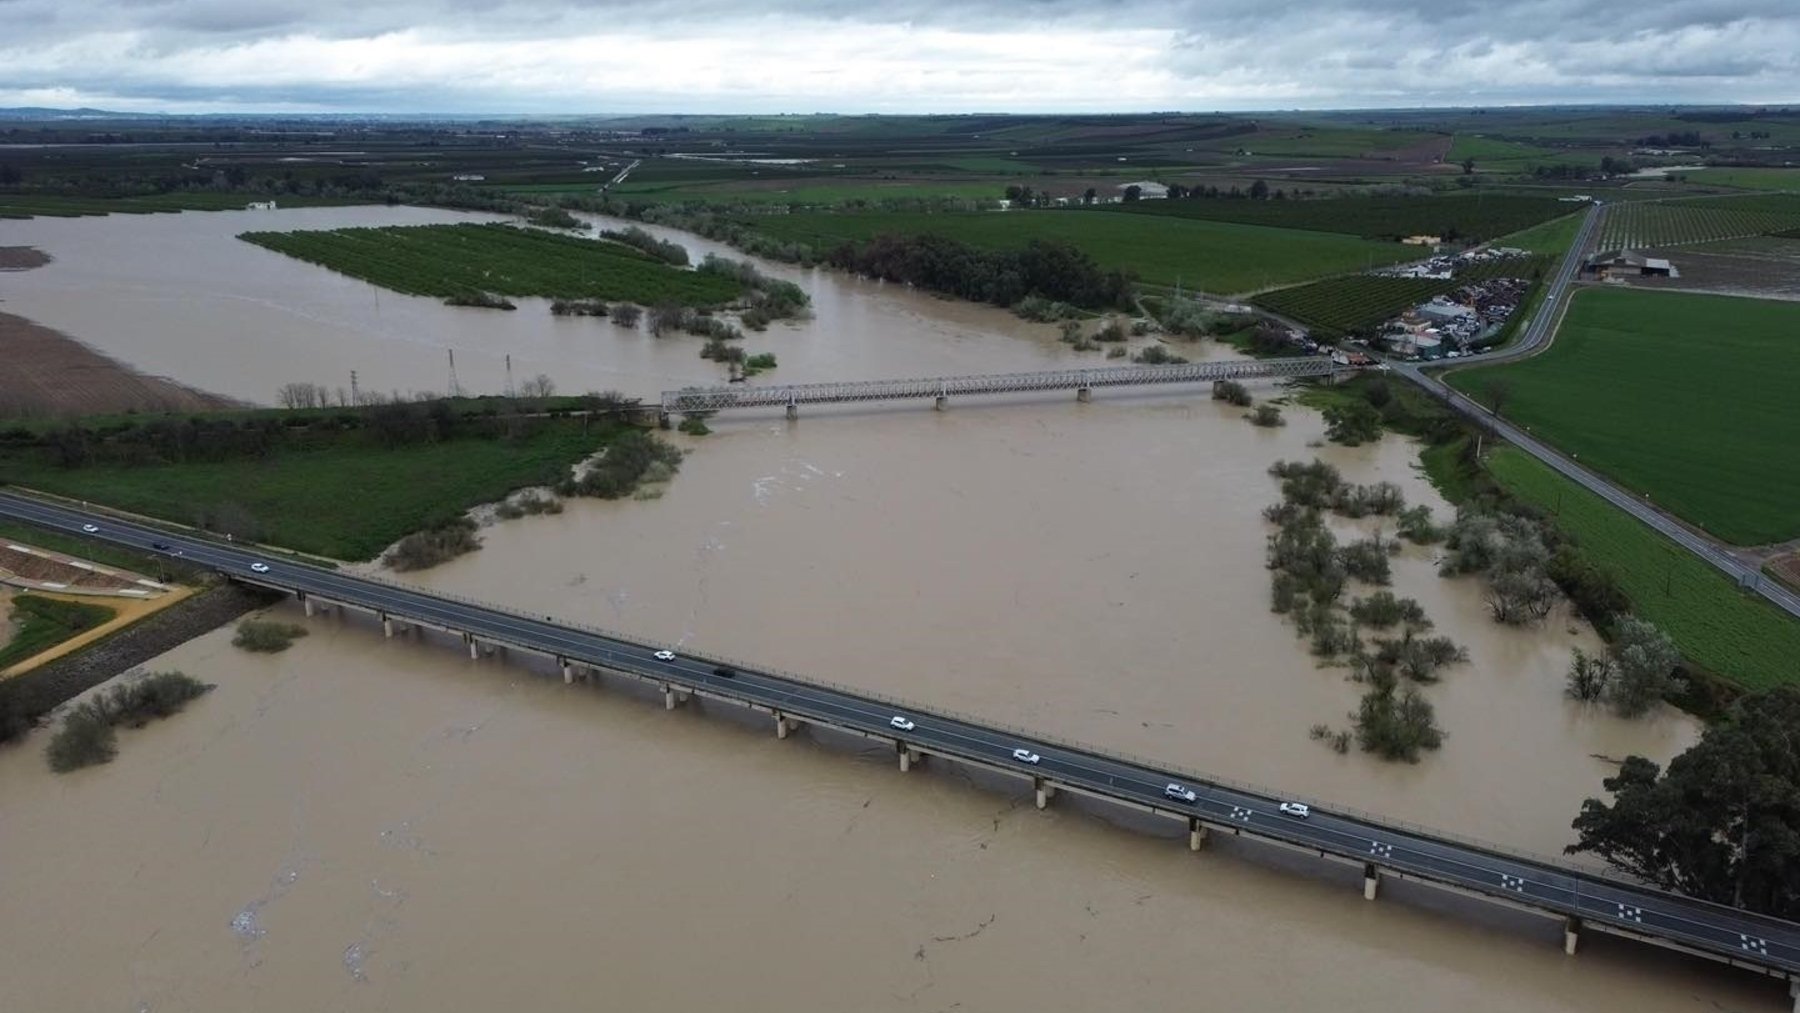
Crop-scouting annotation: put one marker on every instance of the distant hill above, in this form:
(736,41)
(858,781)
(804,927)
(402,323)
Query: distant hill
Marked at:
(41,113)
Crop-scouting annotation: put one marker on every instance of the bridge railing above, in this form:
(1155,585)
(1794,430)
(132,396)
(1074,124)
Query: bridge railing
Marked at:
(1173,770)
(719,398)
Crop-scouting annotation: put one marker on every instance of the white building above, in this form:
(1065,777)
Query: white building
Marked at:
(1147,190)
(260,205)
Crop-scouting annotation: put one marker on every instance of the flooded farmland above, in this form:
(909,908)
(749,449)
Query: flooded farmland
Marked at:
(371,824)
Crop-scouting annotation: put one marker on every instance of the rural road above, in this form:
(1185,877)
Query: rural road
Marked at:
(1537,335)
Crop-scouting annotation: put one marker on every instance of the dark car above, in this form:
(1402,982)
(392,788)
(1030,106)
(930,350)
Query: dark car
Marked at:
(725,673)
(160,546)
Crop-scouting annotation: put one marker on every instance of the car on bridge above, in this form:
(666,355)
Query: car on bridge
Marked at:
(1026,756)
(91,529)
(901,723)
(664,655)
(260,567)
(1180,794)
(725,672)
(1298,810)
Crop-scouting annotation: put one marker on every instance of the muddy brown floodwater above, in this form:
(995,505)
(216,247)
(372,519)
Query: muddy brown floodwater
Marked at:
(371,824)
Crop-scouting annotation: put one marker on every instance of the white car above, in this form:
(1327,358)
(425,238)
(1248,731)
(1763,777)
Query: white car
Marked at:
(664,655)
(90,528)
(1180,794)
(260,567)
(1026,756)
(1298,810)
(901,723)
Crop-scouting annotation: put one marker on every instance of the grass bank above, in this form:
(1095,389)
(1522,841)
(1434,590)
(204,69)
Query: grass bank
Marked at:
(1687,398)
(344,485)
(1734,634)
(42,623)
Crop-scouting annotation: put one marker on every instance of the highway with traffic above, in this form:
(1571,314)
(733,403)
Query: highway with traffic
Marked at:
(1767,945)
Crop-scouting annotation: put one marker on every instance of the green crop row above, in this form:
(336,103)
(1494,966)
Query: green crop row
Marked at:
(1469,218)
(461,260)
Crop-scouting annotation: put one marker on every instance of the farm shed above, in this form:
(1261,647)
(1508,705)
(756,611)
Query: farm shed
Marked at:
(1627,264)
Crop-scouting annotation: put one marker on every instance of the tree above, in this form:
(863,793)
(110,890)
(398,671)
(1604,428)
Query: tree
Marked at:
(1723,823)
(1259,190)
(1589,675)
(1468,165)
(1645,660)
(1498,392)
(1353,423)
(1133,192)
(538,386)
(1089,195)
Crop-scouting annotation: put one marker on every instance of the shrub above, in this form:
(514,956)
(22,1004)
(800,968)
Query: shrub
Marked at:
(556,218)
(1352,424)
(1397,725)
(579,307)
(758,363)
(1590,675)
(661,249)
(1112,330)
(439,543)
(263,636)
(1415,525)
(694,425)
(1266,415)
(1382,610)
(480,300)
(1367,560)
(1232,391)
(627,314)
(86,738)
(1157,355)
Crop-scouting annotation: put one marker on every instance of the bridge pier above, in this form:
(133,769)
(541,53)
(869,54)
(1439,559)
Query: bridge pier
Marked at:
(1045,792)
(793,412)
(306,603)
(1196,834)
(909,757)
(1571,934)
(663,422)
(1084,394)
(784,725)
(387,626)
(474,646)
(1794,990)
(1371,880)
(940,402)
(672,696)
(568,671)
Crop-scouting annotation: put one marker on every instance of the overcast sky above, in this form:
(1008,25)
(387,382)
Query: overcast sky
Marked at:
(597,56)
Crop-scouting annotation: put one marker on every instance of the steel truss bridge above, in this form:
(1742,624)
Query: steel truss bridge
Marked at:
(942,388)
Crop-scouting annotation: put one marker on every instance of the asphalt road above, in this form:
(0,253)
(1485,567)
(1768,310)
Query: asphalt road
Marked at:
(1766,943)
(1536,336)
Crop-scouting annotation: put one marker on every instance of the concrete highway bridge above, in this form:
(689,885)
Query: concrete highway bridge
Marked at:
(941,388)
(1381,848)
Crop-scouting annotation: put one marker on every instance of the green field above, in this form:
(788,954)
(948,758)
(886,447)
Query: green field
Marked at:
(1550,239)
(1676,223)
(1730,632)
(812,192)
(1221,257)
(347,499)
(34,205)
(1688,398)
(1467,218)
(1749,179)
(42,623)
(460,260)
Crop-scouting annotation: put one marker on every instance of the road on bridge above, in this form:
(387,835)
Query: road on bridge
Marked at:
(1769,945)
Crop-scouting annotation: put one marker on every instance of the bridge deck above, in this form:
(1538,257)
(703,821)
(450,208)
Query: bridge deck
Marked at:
(712,399)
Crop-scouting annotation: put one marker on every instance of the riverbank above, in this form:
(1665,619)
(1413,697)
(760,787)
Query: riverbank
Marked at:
(49,374)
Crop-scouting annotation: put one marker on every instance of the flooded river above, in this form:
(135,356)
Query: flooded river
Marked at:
(369,824)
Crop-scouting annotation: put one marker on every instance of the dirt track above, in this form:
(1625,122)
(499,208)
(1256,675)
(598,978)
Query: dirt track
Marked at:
(49,373)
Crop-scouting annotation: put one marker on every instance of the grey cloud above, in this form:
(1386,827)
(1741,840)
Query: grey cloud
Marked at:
(1243,53)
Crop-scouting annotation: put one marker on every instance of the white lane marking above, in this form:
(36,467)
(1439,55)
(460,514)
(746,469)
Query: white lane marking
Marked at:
(1241,814)
(1378,848)
(1631,913)
(1753,944)
(1509,882)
